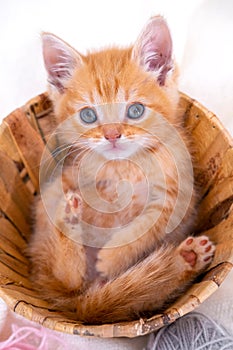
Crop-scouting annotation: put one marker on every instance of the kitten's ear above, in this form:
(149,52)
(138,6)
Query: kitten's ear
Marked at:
(60,60)
(153,49)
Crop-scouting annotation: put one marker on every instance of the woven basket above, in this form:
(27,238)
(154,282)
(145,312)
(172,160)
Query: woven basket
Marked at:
(22,137)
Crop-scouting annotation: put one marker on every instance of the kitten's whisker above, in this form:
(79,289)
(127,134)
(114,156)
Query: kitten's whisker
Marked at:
(79,154)
(80,148)
(56,167)
(87,150)
(60,149)
(55,153)
(82,141)
(48,161)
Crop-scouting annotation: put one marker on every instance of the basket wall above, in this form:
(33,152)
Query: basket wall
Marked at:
(22,137)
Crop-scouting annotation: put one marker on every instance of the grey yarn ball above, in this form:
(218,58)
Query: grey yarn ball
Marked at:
(191,332)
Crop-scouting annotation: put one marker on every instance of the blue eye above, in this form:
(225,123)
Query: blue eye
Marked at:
(88,115)
(135,111)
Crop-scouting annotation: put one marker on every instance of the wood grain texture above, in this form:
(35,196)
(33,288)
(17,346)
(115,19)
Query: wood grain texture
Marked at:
(22,137)
(29,145)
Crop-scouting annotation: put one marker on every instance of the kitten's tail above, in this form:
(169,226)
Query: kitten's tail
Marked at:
(144,286)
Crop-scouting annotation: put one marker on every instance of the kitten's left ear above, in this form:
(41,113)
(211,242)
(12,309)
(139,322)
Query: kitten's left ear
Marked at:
(60,60)
(153,49)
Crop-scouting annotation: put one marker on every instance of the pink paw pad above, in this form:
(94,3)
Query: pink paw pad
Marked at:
(197,251)
(189,256)
(73,207)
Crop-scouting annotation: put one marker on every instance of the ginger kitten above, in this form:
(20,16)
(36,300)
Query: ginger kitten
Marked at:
(112,222)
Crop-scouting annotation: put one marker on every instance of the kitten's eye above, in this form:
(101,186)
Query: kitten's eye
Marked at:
(88,115)
(135,111)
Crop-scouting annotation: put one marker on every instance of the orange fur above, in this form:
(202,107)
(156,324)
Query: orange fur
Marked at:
(100,250)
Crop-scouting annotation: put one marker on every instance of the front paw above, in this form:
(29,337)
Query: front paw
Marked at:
(197,252)
(104,262)
(108,263)
(73,208)
(68,218)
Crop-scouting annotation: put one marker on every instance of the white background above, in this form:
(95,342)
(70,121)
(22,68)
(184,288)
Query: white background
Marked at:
(202,32)
(84,24)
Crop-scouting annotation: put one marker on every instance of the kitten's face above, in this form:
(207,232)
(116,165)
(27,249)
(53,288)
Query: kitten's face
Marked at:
(113,130)
(110,133)
(111,102)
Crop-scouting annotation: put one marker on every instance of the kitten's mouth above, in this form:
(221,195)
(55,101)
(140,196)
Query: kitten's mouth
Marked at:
(117,150)
(115,146)
(114,150)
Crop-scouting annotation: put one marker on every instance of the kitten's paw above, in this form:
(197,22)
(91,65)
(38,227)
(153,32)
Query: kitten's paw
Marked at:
(197,252)
(104,262)
(73,207)
(110,262)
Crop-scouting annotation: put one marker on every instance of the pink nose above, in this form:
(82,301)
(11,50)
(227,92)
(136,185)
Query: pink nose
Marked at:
(112,134)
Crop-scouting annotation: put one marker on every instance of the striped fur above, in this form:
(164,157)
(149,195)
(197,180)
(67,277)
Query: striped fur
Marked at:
(106,241)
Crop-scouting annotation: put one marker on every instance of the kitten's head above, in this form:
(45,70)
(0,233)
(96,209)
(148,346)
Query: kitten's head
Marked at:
(111,100)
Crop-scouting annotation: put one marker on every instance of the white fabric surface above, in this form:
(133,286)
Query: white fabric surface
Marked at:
(73,342)
(220,304)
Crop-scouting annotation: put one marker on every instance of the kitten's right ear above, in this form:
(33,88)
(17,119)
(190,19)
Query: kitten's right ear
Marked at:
(60,60)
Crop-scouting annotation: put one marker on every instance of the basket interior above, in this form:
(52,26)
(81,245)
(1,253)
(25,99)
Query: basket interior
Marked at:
(22,137)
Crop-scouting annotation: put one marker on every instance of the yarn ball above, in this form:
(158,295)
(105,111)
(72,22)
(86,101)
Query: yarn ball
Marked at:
(191,332)
(32,338)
